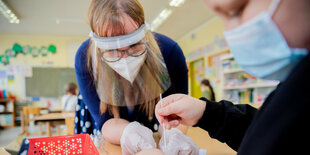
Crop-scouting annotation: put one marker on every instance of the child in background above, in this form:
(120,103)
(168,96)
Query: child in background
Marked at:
(207,90)
(69,100)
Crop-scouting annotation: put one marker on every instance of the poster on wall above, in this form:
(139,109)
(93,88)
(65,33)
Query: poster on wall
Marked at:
(213,69)
(27,71)
(198,70)
(11,79)
(11,70)
(19,70)
(3,80)
(15,75)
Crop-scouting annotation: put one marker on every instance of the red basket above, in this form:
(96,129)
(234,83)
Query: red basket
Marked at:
(62,145)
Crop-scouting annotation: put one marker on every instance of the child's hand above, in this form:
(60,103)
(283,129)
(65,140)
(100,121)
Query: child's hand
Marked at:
(179,109)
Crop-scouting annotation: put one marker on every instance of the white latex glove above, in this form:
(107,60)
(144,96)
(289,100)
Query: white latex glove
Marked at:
(135,138)
(178,143)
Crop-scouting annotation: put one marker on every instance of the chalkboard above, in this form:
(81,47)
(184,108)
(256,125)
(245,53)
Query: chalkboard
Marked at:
(48,82)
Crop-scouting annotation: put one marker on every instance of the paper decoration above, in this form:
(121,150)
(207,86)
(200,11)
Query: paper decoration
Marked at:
(17,48)
(44,51)
(26,49)
(10,53)
(63,145)
(52,48)
(4,59)
(34,51)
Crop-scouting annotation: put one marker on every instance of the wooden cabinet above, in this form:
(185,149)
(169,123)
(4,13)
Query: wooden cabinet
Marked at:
(7,113)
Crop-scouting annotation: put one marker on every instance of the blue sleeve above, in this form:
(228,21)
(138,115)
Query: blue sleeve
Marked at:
(176,64)
(87,86)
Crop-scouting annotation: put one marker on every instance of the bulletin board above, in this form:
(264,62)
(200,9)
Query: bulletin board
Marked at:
(213,69)
(48,82)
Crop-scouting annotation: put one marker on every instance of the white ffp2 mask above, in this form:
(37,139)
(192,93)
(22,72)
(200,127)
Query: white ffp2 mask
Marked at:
(128,67)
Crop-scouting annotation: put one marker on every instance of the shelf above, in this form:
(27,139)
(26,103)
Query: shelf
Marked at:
(227,57)
(233,71)
(7,126)
(6,112)
(3,100)
(9,110)
(260,85)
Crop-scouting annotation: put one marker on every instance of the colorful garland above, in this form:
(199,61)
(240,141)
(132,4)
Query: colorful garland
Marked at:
(17,48)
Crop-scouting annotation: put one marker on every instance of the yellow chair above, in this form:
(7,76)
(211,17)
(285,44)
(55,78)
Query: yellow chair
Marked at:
(70,125)
(28,115)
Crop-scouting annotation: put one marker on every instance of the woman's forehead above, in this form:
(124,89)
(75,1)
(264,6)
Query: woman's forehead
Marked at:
(128,25)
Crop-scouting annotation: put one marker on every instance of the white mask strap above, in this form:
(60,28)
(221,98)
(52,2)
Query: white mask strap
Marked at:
(273,7)
(94,60)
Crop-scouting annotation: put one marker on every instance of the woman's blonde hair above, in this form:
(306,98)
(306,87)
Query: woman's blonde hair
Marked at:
(106,16)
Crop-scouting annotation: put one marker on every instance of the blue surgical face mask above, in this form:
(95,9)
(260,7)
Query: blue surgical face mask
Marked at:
(260,48)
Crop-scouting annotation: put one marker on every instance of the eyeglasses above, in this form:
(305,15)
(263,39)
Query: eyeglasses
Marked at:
(114,55)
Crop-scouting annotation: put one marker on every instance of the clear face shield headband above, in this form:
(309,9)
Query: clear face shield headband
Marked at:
(117,42)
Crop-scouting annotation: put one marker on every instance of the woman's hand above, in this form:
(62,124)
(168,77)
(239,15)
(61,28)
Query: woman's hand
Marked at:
(179,109)
(178,143)
(112,130)
(136,138)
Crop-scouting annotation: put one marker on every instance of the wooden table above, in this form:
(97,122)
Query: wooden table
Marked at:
(204,141)
(199,136)
(3,151)
(52,118)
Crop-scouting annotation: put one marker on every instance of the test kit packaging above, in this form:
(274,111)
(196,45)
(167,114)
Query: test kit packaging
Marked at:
(62,145)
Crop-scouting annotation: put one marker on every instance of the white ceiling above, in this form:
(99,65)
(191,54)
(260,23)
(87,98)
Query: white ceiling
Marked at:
(40,16)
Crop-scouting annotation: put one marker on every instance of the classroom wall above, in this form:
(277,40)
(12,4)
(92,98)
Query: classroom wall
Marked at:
(194,40)
(202,36)
(59,59)
(62,58)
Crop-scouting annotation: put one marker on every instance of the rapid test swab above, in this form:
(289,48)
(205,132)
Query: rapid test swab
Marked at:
(164,129)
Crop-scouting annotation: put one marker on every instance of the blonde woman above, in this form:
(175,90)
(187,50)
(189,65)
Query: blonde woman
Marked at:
(124,67)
